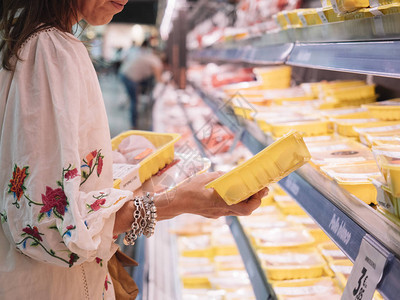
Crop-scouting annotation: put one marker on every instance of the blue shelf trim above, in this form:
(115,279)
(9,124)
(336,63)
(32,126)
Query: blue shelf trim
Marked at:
(376,58)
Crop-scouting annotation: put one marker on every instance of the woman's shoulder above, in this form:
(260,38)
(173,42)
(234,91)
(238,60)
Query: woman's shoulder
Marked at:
(52,38)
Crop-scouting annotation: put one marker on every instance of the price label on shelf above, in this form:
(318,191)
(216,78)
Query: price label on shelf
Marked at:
(367,271)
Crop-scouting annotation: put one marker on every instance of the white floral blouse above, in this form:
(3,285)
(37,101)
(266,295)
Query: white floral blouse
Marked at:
(57,204)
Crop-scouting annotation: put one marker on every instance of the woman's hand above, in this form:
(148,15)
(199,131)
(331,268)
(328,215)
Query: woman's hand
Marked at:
(192,197)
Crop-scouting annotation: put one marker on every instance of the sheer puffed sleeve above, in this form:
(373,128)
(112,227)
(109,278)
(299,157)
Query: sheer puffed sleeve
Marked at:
(58,204)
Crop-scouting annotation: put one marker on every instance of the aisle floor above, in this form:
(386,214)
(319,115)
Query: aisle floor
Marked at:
(117,105)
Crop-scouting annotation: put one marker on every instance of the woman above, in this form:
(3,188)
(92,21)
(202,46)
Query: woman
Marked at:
(59,213)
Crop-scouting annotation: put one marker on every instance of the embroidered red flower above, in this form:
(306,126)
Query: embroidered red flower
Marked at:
(96,204)
(33,231)
(99,165)
(106,283)
(71,174)
(69,227)
(54,199)
(17,182)
(72,259)
(90,157)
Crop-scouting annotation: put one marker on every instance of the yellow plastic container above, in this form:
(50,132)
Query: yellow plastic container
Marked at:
(264,119)
(293,16)
(288,205)
(359,14)
(282,20)
(345,6)
(388,160)
(164,142)
(286,264)
(274,77)
(345,127)
(355,115)
(331,252)
(307,288)
(354,179)
(310,15)
(306,127)
(347,94)
(342,269)
(279,238)
(196,282)
(345,112)
(268,166)
(328,15)
(385,110)
(364,133)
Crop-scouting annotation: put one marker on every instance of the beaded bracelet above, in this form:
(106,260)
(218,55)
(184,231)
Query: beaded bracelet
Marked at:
(144,219)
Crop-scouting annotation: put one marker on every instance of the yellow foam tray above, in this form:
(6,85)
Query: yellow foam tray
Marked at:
(354,179)
(268,166)
(292,264)
(281,238)
(385,110)
(345,6)
(388,160)
(303,288)
(306,127)
(331,252)
(164,142)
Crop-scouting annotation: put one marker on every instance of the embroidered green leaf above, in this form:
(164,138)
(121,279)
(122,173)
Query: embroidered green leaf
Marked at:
(57,214)
(40,217)
(85,175)
(53,227)
(52,252)
(34,243)
(3,217)
(59,183)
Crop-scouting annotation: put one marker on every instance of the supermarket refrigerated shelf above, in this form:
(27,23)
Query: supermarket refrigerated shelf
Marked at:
(366,46)
(270,54)
(346,219)
(373,57)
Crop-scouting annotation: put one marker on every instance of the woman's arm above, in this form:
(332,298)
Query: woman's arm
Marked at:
(193,198)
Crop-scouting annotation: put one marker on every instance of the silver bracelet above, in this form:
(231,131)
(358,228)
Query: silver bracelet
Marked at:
(144,219)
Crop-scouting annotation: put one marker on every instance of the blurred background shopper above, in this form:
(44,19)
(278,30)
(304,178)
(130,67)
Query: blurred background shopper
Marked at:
(138,72)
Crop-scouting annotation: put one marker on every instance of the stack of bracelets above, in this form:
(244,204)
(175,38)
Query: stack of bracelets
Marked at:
(144,219)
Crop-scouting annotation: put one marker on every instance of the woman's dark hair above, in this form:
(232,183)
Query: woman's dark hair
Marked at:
(20,19)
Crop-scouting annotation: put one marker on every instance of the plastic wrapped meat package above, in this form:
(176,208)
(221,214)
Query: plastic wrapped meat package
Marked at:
(288,205)
(230,280)
(282,238)
(181,169)
(223,242)
(195,245)
(284,264)
(355,179)
(229,262)
(323,288)
(331,252)
(133,149)
(339,152)
(195,271)
(388,160)
(365,134)
(264,221)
